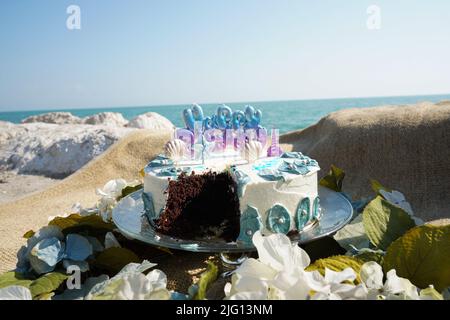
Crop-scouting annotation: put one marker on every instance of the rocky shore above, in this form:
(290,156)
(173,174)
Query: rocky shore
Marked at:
(54,145)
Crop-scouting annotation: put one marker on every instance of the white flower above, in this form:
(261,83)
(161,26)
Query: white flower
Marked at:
(398,199)
(112,188)
(394,288)
(131,284)
(333,287)
(15,293)
(109,194)
(277,274)
(78,209)
(278,252)
(105,206)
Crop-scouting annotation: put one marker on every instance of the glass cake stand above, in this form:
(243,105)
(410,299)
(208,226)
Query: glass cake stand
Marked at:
(129,217)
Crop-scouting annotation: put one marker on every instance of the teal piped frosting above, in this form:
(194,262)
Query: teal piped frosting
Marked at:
(296,167)
(272,174)
(303,213)
(278,219)
(167,172)
(160,161)
(316,208)
(301,159)
(241,180)
(250,223)
(291,155)
(149,206)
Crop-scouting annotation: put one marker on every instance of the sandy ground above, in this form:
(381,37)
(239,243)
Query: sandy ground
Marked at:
(15,186)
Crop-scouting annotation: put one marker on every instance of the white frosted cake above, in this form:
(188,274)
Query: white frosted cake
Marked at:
(230,197)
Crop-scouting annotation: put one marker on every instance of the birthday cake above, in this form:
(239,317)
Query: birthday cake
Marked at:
(226,177)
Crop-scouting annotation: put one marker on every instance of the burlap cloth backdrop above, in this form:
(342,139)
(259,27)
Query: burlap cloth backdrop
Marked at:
(407,148)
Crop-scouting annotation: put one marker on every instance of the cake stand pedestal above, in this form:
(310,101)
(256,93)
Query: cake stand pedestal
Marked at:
(230,261)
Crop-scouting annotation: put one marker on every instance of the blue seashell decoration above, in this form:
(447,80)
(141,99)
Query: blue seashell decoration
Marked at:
(303,213)
(149,206)
(250,223)
(316,209)
(278,219)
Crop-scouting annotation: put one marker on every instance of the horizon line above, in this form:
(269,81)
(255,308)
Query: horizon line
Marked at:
(228,102)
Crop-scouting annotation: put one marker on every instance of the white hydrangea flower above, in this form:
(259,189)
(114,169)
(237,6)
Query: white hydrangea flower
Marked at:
(333,287)
(105,206)
(109,194)
(131,284)
(112,188)
(395,287)
(15,293)
(398,199)
(78,209)
(277,274)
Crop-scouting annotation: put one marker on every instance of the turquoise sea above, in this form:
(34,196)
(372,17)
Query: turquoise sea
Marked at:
(284,115)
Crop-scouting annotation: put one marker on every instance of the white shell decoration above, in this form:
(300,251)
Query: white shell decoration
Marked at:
(253,150)
(175,149)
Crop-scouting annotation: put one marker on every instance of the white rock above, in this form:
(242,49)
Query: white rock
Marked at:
(107,119)
(54,150)
(151,120)
(54,117)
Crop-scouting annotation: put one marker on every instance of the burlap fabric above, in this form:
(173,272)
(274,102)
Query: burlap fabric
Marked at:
(403,147)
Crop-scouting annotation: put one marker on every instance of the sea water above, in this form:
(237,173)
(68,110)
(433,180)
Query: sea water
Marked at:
(283,115)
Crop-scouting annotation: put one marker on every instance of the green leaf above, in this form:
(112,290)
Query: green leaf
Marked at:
(334,179)
(337,263)
(45,296)
(75,220)
(14,279)
(422,255)
(114,259)
(28,234)
(367,255)
(384,222)
(130,189)
(47,283)
(353,235)
(432,293)
(207,277)
(376,187)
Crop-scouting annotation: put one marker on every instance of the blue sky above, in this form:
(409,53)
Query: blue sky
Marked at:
(142,52)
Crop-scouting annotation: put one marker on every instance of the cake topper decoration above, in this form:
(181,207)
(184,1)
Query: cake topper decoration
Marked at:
(231,134)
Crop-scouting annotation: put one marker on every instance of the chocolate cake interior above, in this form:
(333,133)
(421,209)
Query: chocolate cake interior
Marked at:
(201,205)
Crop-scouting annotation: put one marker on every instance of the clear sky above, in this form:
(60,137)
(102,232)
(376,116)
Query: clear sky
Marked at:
(142,52)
